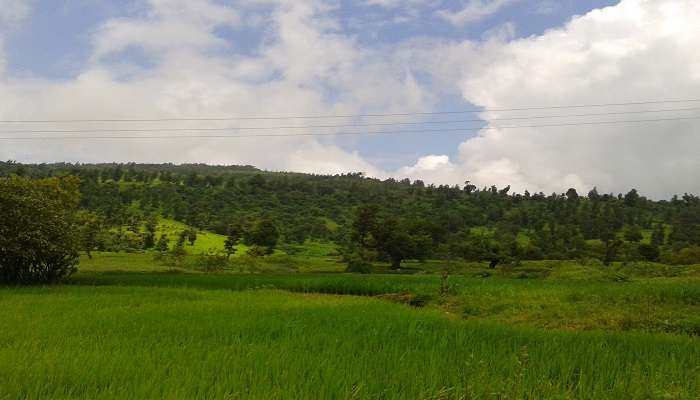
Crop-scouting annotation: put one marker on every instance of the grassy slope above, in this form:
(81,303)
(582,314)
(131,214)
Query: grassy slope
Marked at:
(136,343)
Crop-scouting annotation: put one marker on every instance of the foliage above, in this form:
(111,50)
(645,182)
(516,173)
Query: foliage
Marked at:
(39,234)
(212,262)
(263,234)
(467,222)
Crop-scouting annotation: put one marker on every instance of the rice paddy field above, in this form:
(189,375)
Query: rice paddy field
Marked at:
(124,328)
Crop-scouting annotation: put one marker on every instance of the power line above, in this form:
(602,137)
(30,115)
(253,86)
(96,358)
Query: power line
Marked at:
(378,124)
(433,131)
(241,118)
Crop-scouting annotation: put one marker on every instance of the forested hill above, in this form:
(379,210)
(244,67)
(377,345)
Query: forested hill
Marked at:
(464,221)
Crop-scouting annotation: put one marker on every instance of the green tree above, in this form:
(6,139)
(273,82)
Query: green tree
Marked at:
(163,244)
(38,240)
(633,233)
(264,234)
(658,235)
(234,235)
(192,236)
(89,228)
(149,239)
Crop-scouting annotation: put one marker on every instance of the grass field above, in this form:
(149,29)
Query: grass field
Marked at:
(136,343)
(127,328)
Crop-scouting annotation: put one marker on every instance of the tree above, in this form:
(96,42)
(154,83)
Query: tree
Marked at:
(163,244)
(234,235)
(192,236)
(264,234)
(658,235)
(180,244)
(649,252)
(38,231)
(364,223)
(633,233)
(149,239)
(631,198)
(89,227)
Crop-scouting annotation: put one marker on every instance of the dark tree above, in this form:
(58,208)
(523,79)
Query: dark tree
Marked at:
(149,239)
(264,234)
(234,235)
(38,240)
(163,244)
(633,233)
(658,235)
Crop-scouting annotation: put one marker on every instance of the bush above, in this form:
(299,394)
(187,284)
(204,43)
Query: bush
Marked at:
(38,232)
(212,262)
(685,256)
(648,252)
(358,264)
(259,251)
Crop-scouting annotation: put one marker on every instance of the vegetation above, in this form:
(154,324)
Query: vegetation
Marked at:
(397,220)
(202,343)
(38,238)
(230,282)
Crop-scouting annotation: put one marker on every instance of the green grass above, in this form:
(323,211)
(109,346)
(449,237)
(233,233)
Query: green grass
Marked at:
(107,342)
(283,326)
(662,305)
(206,241)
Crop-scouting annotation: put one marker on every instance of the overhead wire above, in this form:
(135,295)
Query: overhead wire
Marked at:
(433,131)
(234,118)
(365,125)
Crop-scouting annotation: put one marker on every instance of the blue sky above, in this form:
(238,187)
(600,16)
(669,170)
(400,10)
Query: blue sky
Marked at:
(55,42)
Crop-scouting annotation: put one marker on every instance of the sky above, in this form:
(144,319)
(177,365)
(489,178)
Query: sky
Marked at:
(404,89)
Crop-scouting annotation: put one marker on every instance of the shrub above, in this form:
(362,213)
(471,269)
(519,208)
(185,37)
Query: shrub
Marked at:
(259,251)
(38,232)
(212,262)
(357,264)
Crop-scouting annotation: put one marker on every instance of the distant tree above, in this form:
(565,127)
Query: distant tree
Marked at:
(631,198)
(263,234)
(633,233)
(649,252)
(686,225)
(191,236)
(234,235)
(658,235)
(572,194)
(38,240)
(89,228)
(180,244)
(163,244)
(364,222)
(149,239)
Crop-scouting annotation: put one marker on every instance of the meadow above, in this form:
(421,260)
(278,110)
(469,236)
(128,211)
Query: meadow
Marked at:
(133,342)
(127,328)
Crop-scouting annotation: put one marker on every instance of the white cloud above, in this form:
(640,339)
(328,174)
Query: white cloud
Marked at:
(637,50)
(303,67)
(13,11)
(474,10)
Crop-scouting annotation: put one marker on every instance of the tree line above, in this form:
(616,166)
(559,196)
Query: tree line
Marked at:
(386,220)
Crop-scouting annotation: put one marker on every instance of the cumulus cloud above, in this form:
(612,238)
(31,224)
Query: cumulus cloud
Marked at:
(303,67)
(639,49)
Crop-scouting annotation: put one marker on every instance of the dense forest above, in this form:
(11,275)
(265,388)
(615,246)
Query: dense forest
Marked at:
(372,219)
